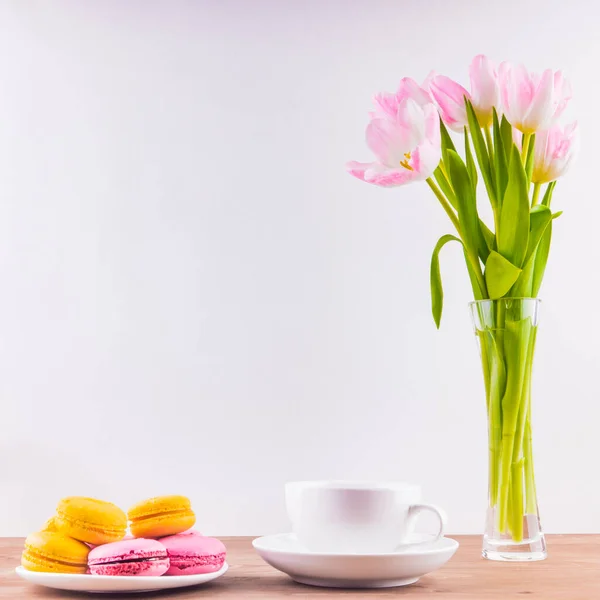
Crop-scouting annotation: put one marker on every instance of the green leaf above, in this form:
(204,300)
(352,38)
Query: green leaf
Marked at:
(513,228)
(500,161)
(557,214)
(471,168)
(507,137)
(437,292)
(447,143)
(541,258)
(467,207)
(539,217)
(500,275)
(445,186)
(548,195)
(483,158)
(488,236)
(522,289)
(529,161)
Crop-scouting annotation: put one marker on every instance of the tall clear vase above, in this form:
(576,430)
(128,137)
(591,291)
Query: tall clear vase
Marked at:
(506,330)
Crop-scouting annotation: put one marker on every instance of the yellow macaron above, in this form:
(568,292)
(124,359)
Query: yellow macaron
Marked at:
(50,525)
(90,520)
(160,516)
(53,552)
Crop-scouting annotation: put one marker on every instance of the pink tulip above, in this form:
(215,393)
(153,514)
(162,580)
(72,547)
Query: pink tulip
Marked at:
(450,98)
(532,102)
(407,146)
(409,88)
(555,149)
(485,91)
(386,103)
(485,95)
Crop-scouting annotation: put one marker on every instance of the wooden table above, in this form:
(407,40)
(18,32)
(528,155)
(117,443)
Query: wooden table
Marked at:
(572,572)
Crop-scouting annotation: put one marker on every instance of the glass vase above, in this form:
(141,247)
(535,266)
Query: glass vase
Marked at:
(506,330)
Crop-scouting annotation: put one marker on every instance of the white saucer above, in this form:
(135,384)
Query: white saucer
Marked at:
(392,569)
(106,583)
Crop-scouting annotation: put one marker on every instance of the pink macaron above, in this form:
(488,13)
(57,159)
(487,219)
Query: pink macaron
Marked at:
(136,557)
(193,554)
(193,532)
(127,537)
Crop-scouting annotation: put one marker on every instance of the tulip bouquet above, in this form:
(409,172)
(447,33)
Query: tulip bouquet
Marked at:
(514,150)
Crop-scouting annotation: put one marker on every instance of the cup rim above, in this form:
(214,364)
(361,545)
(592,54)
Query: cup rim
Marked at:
(353,485)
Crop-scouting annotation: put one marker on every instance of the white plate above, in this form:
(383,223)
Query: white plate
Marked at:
(354,570)
(106,583)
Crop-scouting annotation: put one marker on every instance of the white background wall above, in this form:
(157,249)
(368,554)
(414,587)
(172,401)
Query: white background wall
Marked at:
(196,298)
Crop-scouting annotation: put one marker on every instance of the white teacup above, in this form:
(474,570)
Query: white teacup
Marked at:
(356,517)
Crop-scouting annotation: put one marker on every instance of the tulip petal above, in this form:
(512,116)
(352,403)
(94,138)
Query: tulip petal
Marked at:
(357,169)
(426,85)
(389,177)
(566,147)
(555,150)
(539,115)
(385,140)
(386,105)
(506,87)
(517,91)
(409,88)
(523,90)
(484,88)
(562,94)
(572,130)
(425,160)
(406,143)
(432,124)
(449,96)
(532,102)
(411,119)
(540,166)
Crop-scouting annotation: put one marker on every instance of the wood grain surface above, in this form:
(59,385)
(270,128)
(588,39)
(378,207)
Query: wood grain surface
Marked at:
(572,572)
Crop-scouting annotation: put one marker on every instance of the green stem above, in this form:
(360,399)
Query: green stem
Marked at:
(504,497)
(495,373)
(530,492)
(490,146)
(515,522)
(473,260)
(518,459)
(491,342)
(536,193)
(476,268)
(445,204)
(525,149)
(516,346)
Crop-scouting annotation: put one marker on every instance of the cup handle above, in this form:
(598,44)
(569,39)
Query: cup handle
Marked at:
(416,509)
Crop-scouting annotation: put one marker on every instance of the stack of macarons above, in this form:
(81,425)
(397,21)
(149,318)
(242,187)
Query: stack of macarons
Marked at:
(90,536)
